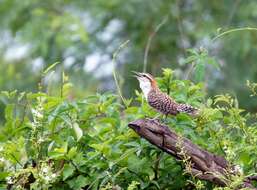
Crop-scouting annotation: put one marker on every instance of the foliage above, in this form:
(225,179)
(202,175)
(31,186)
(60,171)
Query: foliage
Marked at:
(49,140)
(52,142)
(252,87)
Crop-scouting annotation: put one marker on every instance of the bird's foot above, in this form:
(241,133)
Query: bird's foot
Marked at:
(161,119)
(165,121)
(156,118)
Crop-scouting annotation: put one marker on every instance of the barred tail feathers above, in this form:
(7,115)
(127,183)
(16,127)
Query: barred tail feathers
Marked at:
(185,108)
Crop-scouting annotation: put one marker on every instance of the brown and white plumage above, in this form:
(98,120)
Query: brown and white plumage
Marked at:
(159,100)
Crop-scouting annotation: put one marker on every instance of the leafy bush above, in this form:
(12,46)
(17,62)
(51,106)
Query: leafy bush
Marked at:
(50,142)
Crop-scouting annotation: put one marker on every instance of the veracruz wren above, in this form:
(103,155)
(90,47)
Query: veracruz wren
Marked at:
(160,101)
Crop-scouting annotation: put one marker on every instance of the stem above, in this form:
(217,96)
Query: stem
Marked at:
(180,28)
(168,86)
(23,114)
(233,30)
(62,80)
(156,165)
(136,174)
(189,71)
(149,41)
(114,56)
(18,162)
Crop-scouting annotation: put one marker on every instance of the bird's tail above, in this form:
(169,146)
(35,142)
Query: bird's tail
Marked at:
(185,108)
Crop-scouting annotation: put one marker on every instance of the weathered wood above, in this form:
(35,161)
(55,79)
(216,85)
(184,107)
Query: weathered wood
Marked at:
(203,164)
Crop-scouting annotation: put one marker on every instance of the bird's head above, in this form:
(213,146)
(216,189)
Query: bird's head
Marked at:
(146,82)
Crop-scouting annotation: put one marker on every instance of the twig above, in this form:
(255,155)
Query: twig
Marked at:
(233,30)
(18,162)
(23,114)
(190,71)
(114,56)
(62,80)
(156,165)
(180,29)
(149,41)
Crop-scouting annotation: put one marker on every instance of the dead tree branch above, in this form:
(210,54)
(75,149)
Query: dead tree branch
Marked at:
(203,164)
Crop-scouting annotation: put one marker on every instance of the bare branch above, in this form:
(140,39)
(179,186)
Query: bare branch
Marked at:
(203,164)
(149,41)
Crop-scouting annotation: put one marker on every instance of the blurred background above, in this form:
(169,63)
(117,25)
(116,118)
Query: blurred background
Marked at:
(83,35)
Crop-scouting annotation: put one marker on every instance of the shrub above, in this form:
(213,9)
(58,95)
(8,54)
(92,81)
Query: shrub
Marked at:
(50,142)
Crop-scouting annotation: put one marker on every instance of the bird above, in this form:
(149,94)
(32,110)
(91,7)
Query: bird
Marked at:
(159,100)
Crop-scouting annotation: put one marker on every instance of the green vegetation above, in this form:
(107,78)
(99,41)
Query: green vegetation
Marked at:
(67,95)
(50,142)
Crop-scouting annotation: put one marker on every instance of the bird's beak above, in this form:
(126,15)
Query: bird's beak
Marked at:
(137,74)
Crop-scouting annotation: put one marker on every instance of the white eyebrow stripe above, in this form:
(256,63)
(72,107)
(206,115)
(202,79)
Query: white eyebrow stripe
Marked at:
(148,76)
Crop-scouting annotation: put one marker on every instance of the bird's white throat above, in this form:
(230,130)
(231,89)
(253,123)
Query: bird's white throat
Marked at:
(145,86)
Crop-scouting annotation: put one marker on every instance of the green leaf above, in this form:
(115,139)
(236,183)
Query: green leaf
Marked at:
(199,72)
(9,112)
(133,185)
(68,171)
(128,102)
(131,110)
(135,164)
(190,59)
(59,152)
(5,93)
(79,182)
(21,95)
(245,158)
(13,93)
(72,152)
(31,96)
(209,102)
(213,62)
(167,72)
(3,175)
(50,67)
(78,131)
(67,87)
(156,184)
(192,51)
(50,146)
(106,120)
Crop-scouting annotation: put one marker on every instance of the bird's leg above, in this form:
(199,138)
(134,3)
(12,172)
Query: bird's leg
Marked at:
(163,119)
(155,118)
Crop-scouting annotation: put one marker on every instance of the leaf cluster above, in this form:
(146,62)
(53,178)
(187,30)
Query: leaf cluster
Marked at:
(52,142)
